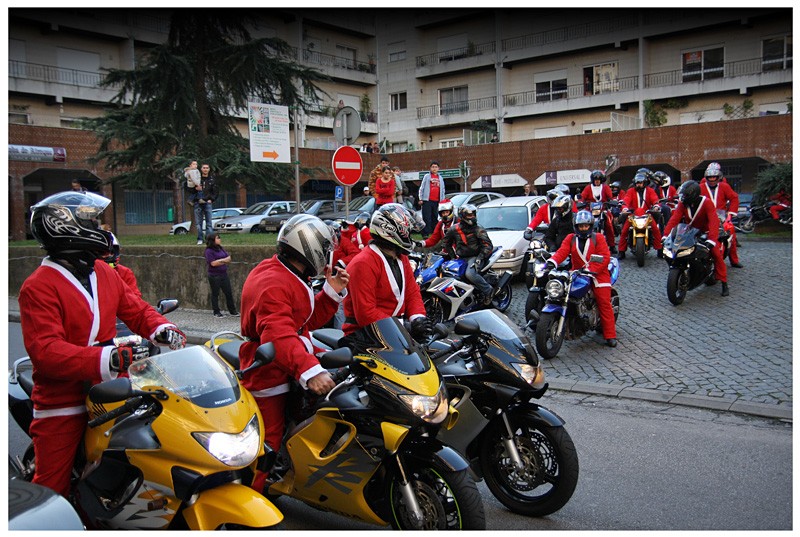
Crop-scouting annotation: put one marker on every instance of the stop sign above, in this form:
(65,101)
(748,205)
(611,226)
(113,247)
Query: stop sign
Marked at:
(347,166)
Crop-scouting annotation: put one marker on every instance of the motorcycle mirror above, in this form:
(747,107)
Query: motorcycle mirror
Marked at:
(440,330)
(111,391)
(166,305)
(595,258)
(336,358)
(466,327)
(265,353)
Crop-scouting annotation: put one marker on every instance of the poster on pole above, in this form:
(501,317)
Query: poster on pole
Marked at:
(269,133)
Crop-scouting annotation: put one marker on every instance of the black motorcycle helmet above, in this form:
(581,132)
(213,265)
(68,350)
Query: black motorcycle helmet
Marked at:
(468,214)
(597,175)
(67,222)
(615,187)
(689,194)
(583,219)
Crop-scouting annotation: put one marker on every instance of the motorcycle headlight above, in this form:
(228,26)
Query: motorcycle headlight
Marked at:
(554,289)
(533,375)
(432,409)
(238,449)
(667,253)
(539,270)
(508,254)
(685,252)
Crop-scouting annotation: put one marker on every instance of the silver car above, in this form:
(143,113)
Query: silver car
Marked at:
(505,220)
(183,228)
(248,221)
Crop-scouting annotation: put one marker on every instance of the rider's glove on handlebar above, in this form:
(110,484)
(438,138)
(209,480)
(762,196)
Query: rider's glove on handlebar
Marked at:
(527,234)
(122,357)
(420,328)
(172,337)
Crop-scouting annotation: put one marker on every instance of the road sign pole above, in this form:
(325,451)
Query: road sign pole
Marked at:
(296,161)
(347,203)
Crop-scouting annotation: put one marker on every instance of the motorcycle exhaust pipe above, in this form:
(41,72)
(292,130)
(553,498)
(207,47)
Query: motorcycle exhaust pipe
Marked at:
(504,279)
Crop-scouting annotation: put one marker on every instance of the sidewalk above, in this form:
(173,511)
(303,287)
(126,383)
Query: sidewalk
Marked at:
(200,325)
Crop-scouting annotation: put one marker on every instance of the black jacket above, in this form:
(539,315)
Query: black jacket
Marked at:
(557,231)
(210,189)
(467,241)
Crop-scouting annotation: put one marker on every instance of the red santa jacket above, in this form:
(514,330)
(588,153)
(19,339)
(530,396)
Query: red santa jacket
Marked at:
(669,192)
(279,307)
(640,203)
(723,197)
(362,237)
(704,218)
(61,324)
(543,216)
(438,232)
(129,278)
(374,292)
(579,258)
(596,193)
(345,250)
(384,191)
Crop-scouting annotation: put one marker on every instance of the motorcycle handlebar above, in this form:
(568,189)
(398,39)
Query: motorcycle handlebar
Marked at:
(444,352)
(129,406)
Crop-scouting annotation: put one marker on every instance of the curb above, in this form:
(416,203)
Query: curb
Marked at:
(723,403)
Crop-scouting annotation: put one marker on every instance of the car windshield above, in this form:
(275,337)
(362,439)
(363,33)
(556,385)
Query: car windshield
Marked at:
(360,204)
(193,373)
(459,199)
(258,208)
(503,218)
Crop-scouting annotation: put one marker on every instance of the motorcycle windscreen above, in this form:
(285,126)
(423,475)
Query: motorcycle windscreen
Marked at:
(193,373)
(684,236)
(389,342)
(510,342)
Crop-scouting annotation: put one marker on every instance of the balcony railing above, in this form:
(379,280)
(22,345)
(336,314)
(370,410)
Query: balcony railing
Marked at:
(475,105)
(456,54)
(571,92)
(55,75)
(568,33)
(341,62)
(330,111)
(735,69)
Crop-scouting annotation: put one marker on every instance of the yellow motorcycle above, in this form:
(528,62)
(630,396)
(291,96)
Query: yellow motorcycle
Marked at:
(639,239)
(165,448)
(368,449)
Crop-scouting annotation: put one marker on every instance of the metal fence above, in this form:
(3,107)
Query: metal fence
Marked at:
(58,75)
(148,207)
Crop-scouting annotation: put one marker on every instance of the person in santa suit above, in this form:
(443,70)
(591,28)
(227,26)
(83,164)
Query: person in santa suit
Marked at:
(580,246)
(124,272)
(279,306)
(639,200)
(344,250)
(382,280)
(699,212)
(544,215)
(716,188)
(596,191)
(361,236)
(68,311)
(446,219)
(662,186)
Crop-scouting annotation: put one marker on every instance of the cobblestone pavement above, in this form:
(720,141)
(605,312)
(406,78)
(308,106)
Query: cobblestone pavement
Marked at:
(732,353)
(735,348)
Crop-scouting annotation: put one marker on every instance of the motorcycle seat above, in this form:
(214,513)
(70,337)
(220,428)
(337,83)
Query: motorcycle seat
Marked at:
(329,336)
(25,379)
(230,352)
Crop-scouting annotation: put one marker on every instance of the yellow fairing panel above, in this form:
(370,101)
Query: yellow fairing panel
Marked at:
(231,504)
(426,383)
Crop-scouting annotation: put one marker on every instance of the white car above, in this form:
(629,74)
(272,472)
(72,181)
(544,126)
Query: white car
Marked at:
(505,220)
(216,215)
(475,198)
(249,220)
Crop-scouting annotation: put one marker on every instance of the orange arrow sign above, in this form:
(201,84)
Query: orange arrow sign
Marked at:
(269,154)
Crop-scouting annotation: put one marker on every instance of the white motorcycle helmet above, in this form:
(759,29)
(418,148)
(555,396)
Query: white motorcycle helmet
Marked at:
(392,223)
(446,205)
(308,240)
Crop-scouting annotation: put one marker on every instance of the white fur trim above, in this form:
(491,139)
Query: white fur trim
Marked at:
(309,374)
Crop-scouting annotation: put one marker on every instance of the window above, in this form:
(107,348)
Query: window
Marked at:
(345,57)
(603,78)
(70,122)
(453,100)
(703,64)
(19,118)
(776,53)
(397,51)
(551,90)
(773,109)
(603,126)
(399,147)
(453,142)
(398,101)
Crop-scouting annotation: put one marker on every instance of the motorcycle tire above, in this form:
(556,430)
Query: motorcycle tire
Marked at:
(548,342)
(502,298)
(448,500)
(640,252)
(433,310)
(532,303)
(747,226)
(614,304)
(550,466)
(677,285)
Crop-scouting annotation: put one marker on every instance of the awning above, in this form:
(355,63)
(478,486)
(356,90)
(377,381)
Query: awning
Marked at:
(567,177)
(499,181)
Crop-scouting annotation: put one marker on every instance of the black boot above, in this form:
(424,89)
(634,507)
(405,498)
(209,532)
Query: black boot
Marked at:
(611,342)
(621,254)
(725,289)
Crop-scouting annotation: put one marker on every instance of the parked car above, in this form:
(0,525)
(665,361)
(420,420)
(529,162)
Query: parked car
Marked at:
(271,224)
(249,220)
(505,219)
(475,198)
(362,204)
(216,215)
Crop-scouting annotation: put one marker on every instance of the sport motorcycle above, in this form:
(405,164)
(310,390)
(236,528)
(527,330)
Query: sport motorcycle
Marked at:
(688,254)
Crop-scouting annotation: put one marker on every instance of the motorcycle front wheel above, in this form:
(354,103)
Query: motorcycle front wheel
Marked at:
(549,472)
(447,500)
(532,303)
(677,284)
(548,337)
(433,310)
(502,299)
(640,252)
(746,226)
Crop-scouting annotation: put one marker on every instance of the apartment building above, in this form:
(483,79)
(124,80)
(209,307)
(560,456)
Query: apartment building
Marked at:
(425,79)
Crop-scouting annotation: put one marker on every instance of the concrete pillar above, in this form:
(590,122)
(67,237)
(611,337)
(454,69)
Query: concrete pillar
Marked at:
(16,195)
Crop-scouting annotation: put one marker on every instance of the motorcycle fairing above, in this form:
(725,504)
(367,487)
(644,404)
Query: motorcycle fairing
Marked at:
(549,307)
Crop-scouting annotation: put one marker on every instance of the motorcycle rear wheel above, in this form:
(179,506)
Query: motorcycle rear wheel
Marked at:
(677,285)
(434,310)
(548,338)
(747,225)
(502,299)
(448,500)
(640,252)
(550,466)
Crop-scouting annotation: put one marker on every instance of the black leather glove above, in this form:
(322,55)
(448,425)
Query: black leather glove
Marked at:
(478,264)
(527,234)
(420,328)
(123,356)
(419,245)
(172,337)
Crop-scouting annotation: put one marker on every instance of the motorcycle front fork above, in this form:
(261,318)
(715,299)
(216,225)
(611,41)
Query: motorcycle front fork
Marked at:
(410,499)
(508,440)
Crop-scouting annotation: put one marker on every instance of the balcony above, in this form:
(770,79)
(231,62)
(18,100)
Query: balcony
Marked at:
(321,116)
(452,61)
(439,115)
(341,67)
(26,77)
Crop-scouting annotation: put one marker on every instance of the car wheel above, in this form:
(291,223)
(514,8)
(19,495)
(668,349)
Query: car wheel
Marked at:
(181,231)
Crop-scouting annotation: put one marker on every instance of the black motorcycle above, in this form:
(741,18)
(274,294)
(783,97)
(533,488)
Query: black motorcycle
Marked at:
(758,214)
(520,448)
(688,255)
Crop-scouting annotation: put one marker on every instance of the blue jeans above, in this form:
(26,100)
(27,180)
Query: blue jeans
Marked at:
(476,278)
(430,213)
(201,211)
